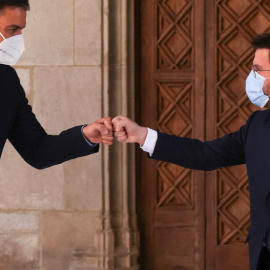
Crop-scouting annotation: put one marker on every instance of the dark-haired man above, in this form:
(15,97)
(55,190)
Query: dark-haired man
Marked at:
(257,83)
(249,145)
(17,121)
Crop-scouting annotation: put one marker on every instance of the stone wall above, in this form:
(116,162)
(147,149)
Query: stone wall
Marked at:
(78,66)
(49,219)
(60,218)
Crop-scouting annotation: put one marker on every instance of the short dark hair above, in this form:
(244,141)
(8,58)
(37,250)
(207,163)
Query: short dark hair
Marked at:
(262,42)
(17,3)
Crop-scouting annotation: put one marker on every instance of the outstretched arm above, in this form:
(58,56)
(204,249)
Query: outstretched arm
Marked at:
(186,152)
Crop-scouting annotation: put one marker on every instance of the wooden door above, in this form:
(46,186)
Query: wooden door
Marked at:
(231,25)
(194,58)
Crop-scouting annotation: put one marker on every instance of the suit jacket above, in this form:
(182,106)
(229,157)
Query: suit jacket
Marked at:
(20,126)
(249,145)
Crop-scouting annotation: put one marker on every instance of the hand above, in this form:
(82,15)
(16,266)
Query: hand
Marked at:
(128,131)
(100,131)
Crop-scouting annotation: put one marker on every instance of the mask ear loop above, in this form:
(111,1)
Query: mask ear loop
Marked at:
(256,75)
(2,36)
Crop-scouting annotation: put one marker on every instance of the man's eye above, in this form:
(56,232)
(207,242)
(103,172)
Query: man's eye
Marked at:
(13,30)
(255,69)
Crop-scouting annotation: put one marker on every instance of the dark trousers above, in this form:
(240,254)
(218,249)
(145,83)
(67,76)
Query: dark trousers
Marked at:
(264,259)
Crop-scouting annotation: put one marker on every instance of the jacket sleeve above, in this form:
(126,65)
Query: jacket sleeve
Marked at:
(194,154)
(38,148)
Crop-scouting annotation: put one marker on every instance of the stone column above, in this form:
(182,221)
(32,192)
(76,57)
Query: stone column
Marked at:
(118,240)
(122,156)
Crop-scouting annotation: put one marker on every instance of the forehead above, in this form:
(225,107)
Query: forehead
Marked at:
(261,57)
(12,15)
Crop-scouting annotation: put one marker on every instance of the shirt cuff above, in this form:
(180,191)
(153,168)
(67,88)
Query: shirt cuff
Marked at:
(150,141)
(92,145)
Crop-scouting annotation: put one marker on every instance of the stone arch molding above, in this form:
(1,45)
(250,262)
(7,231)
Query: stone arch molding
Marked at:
(117,241)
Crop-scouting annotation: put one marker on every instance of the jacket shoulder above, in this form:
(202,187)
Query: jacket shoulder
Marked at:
(6,70)
(8,78)
(9,86)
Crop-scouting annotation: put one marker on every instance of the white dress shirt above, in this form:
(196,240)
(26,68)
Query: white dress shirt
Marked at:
(150,141)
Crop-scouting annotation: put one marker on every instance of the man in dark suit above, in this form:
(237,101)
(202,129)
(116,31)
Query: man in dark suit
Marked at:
(17,121)
(249,145)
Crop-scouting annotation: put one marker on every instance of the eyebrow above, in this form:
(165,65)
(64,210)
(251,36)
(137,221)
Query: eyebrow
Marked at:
(15,26)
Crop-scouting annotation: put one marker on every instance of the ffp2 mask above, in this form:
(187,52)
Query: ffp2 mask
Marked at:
(11,49)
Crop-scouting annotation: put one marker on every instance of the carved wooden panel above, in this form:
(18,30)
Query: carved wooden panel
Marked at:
(175,116)
(232,205)
(171,76)
(175,35)
(174,52)
(237,23)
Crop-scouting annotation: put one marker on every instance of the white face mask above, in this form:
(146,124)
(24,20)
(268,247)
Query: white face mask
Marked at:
(254,89)
(11,49)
